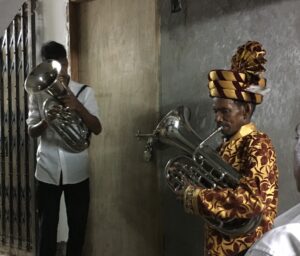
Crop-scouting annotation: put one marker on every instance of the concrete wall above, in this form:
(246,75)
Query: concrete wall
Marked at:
(8,10)
(119,53)
(51,22)
(204,36)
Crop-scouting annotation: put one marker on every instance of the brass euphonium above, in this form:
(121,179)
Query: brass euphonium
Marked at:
(201,166)
(67,124)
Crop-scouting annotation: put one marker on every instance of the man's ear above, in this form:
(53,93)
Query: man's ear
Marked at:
(248,110)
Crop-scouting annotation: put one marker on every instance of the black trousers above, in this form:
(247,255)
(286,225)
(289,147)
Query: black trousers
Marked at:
(77,197)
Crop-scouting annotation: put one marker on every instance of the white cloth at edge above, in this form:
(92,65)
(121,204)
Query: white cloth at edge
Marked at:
(290,216)
(283,239)
(52,159)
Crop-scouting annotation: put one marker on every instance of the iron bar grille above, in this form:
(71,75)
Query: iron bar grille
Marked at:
(17,57)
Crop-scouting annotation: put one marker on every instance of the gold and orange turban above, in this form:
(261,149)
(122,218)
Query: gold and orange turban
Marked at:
(245,80)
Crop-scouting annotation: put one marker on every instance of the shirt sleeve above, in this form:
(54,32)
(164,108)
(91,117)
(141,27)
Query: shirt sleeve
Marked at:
(284,240)
(256,190)
(33,111)
(90,102)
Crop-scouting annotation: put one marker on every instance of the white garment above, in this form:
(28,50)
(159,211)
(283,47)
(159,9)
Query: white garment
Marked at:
(290,216)
(283,239)
(52,158)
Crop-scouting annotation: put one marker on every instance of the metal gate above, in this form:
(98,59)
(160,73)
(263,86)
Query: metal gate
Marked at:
(17,214)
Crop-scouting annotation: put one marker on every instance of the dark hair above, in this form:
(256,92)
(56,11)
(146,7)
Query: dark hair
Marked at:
(243,103)
(53,50)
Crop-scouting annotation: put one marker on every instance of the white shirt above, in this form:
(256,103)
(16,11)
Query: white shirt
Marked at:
(52,159)
(283,239)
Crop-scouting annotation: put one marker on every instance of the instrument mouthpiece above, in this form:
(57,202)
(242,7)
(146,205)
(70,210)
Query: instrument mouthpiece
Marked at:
(211,135)
(220,128)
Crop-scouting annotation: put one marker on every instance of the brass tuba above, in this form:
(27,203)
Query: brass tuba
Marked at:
(67,124)
(201,166)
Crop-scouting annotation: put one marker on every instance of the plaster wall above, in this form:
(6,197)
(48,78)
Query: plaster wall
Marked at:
(51,22)
(204,36)
(8,10)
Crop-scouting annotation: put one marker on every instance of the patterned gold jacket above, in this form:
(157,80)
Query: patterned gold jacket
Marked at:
(251,153)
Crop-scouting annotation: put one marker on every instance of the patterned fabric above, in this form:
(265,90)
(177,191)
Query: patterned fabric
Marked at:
(233,85)
(251,153)
(244,81)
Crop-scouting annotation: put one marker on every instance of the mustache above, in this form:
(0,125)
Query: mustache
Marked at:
(219,124)
(224,125)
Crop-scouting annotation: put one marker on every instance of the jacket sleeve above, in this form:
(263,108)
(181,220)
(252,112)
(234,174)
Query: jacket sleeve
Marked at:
(256,190)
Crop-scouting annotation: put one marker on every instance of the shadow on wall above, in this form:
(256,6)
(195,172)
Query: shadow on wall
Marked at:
(208,9)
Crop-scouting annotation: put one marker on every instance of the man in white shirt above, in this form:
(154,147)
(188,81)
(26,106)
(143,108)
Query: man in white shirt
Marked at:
(57,169)
(284,238)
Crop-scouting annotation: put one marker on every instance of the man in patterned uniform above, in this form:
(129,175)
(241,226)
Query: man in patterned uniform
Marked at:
(235,93)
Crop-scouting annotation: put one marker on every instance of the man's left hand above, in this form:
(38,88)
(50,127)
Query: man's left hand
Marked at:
(70,101)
